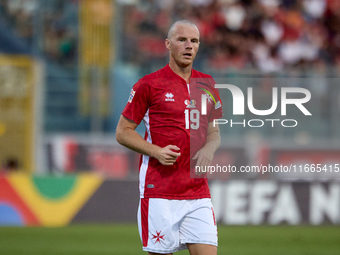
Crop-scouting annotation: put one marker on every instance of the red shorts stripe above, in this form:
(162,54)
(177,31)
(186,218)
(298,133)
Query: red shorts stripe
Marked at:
(145,220)
(212,209)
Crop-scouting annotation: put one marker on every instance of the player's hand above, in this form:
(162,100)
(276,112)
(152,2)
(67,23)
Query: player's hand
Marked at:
(204,157)
(167,155)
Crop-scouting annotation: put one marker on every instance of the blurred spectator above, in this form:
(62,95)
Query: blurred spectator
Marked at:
(10,165)
(315,9)
(272,31)
(19,14)
(235,15)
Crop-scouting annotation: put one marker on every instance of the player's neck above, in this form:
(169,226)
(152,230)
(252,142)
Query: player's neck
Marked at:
(184,72)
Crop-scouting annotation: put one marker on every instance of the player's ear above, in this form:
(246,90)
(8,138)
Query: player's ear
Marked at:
(167,44)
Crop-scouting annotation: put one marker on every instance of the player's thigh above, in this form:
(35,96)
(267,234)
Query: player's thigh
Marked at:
(158,223)
(202,249)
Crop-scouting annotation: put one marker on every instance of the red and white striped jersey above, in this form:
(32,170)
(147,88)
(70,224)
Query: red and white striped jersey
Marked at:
(171,111)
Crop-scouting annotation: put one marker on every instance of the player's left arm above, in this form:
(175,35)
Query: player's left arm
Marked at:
(206,154)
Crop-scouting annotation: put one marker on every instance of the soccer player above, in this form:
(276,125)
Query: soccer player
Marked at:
(175,211)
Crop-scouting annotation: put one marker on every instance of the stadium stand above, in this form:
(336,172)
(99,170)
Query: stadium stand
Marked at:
(240,39)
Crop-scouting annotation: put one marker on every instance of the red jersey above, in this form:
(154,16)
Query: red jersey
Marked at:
(171,111)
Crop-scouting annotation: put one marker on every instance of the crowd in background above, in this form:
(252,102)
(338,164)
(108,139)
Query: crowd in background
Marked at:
(54,22)
(18,14)
(267,35)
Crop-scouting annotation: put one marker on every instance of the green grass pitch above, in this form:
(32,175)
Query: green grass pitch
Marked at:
(123,239)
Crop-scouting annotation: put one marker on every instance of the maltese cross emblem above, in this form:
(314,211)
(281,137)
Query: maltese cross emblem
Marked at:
(158,237)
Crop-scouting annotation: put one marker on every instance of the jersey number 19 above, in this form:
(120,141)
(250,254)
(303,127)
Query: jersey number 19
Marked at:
(194,116)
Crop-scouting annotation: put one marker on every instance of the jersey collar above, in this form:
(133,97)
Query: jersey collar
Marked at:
(170,71)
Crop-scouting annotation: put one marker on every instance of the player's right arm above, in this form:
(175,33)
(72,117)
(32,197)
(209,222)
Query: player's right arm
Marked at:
(128,137)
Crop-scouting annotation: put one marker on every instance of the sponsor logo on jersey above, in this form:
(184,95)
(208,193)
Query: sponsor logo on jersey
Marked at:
(132,94)
(190,103)
(169,97)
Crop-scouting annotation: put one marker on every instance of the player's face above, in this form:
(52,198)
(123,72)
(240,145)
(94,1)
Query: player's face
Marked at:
(183,45)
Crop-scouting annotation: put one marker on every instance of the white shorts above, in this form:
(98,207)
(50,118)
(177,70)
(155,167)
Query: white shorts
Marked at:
(166,226)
